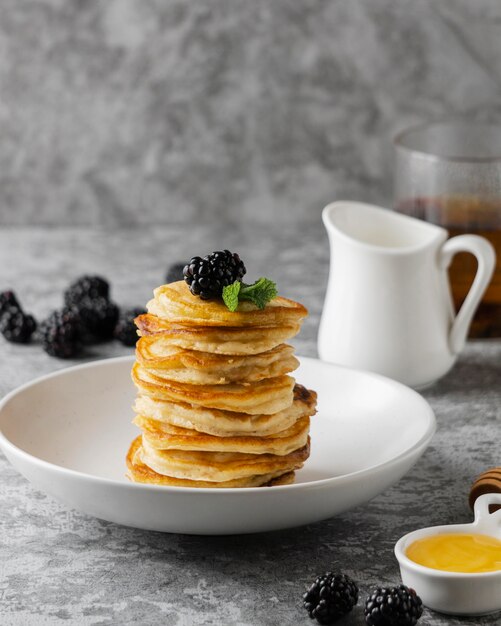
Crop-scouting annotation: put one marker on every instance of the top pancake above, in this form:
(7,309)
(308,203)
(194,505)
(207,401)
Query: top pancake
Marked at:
(175,302)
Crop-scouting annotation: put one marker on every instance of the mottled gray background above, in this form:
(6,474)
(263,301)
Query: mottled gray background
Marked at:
(127,112)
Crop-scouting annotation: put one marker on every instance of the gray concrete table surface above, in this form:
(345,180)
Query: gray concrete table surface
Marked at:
(58,566)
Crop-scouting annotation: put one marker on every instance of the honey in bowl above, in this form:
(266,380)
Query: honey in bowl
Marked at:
(458,552)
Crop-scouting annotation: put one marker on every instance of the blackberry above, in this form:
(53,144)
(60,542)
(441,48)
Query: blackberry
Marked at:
(98,318)
(174,272)
(206,277)
(8,300)
(60,334)
(86,287)
(398,606)
(125,330)
(16,326)
(330,597)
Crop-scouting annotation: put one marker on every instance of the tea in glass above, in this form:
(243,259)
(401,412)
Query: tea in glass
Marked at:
(450,174)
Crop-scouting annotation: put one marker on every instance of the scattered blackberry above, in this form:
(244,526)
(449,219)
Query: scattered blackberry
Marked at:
(330,597)
(8,300)
(60,334)
(174,272)
(16,326)
(125,330)
(206,277)
(98,318)
(398,606)
(86,287)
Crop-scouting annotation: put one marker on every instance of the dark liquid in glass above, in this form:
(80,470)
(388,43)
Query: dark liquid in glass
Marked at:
(461,215)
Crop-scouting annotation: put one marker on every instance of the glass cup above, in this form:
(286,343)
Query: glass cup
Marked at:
(449,173)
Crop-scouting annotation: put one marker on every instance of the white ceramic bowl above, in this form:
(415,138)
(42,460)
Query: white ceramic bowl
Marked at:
(68,434)
(455,593)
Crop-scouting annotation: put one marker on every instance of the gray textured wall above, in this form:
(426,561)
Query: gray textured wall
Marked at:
(139,111)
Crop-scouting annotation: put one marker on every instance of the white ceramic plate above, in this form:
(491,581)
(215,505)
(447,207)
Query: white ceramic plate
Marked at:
(68,433)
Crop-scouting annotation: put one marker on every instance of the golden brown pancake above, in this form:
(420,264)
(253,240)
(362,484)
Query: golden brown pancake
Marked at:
(166,437)
(174,302)
(262,397)
(218,339)
(215,403)
(218,466)
(170,362)
(227,423)
(137,471)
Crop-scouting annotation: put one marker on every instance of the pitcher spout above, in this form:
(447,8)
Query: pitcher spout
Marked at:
(379,228)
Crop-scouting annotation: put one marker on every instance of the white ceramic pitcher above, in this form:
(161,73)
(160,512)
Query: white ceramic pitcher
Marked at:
(388,307)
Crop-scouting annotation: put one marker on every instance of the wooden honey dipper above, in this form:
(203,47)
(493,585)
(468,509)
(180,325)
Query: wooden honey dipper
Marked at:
(488,482)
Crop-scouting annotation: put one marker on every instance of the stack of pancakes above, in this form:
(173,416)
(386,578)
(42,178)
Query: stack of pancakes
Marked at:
(216,405)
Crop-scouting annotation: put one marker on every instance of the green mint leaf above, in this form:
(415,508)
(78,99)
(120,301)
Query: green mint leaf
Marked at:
(230,295)
(260,292)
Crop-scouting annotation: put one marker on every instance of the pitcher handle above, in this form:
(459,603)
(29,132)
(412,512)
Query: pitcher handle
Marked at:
(484,252)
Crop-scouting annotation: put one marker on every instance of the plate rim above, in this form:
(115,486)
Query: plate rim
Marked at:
(6,444)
